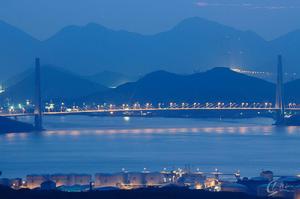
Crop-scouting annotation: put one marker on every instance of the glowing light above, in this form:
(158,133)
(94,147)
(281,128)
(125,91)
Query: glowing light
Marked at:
(127,119)
(1,89)
(198,186)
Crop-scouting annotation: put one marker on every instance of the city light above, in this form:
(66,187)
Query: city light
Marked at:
(144,109)
(2,90)
(126,119)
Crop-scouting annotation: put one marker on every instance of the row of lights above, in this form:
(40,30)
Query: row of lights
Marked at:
(50,107)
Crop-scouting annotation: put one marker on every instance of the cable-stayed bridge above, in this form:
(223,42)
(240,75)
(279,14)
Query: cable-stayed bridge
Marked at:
(259,107)
(279,108)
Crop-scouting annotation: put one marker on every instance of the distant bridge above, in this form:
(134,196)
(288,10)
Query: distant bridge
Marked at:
(132,110)
(170,108)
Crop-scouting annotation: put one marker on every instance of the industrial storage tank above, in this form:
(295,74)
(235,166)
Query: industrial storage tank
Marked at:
(155,179)
(71,179)
(35,181)
(109,180)
(136,179)
(82,179)
(61,179)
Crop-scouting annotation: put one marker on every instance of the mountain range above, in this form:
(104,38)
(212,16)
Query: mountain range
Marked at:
(195,44)
(56,84)
(111,79)
(215,85)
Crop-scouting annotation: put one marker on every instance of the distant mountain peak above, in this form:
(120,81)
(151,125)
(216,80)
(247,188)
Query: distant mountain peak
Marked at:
(198,23)
(218,84)
(158,74)
(221,69)
(194,44)
(291,36)
(57,84)
(12,31)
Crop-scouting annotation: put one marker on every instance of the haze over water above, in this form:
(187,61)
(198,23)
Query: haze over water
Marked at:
(85,144)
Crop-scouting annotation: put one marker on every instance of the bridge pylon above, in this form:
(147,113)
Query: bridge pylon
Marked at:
(279,94)
(38,99)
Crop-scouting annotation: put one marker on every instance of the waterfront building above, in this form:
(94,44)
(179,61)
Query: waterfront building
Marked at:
(266,184)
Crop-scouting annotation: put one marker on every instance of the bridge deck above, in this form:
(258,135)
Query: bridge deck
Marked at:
(147,110)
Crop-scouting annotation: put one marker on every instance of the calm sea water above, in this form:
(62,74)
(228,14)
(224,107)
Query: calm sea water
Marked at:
(85,144)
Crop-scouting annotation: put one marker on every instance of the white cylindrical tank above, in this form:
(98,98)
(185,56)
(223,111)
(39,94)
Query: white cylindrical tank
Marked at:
(109,180)
(136,179)
(154,179)
(35,181)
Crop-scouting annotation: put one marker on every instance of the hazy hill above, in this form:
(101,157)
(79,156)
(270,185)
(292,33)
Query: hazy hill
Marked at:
(57,84)
(111,79)
(196,43)
(289,45)
(291,90)
(193,44)
(17,50)
(218,84)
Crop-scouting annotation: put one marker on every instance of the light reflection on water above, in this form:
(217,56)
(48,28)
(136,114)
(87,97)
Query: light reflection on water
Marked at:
(96,144)
(262,130)
(217,130)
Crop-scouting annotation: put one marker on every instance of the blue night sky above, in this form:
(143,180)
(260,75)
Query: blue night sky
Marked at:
(42,18)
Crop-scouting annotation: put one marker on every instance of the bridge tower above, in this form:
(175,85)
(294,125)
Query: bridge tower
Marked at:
(38,98)
(279,93)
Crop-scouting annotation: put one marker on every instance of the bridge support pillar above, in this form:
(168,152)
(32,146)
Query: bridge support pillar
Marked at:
(279,94)
(38,100)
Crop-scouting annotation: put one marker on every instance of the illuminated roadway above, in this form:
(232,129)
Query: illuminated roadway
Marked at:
(118,110)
